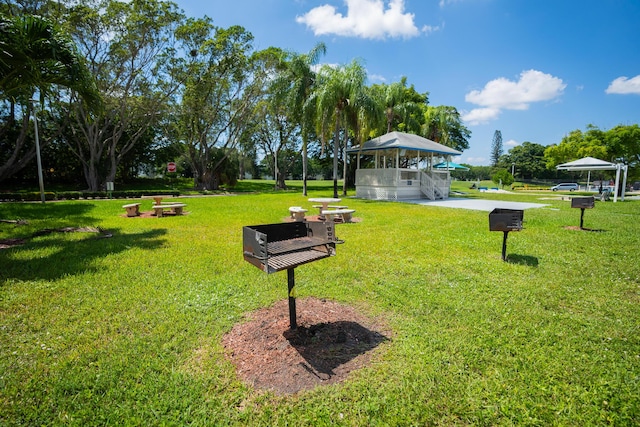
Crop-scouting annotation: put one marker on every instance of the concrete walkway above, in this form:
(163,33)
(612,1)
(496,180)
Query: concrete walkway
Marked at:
(475,204)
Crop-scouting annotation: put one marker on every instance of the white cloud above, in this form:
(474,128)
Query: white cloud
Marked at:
(504,94)
(365,18)
(511,143)
(625,86)
(476,161)
(376,78)
(443,3)
(479,116)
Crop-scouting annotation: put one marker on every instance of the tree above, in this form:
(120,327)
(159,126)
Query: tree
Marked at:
(273,134)
(443,124)
(624,144)
(131,52)
(576,145)
(502,177)
(337,88)
(527,159)
(223,80)
(297,83)
(496,148)
(36,56)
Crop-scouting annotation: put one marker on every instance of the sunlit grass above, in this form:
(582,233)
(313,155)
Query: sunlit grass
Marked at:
(126,330)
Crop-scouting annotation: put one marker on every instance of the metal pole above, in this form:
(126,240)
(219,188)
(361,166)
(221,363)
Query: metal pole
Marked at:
(292,299)
(504,246)
(38,158)
(581,217)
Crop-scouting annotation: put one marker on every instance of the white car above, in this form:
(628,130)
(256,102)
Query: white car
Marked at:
(566,186)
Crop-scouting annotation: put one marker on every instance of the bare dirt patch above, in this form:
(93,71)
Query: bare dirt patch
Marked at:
(331,341)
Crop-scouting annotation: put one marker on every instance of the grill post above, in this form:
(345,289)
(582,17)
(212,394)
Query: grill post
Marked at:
(504,246)
(292,298)
(581,217)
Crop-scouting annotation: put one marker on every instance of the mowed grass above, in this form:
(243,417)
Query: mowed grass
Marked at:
(126,330)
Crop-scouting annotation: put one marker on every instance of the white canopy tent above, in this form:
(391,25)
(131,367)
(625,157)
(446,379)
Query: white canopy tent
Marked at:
(591,163)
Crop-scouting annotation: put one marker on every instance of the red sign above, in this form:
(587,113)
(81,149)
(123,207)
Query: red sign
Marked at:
(171,167)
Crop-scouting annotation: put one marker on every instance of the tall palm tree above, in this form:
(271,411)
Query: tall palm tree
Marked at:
(34,56)
(298,81)
(338,87)
(444,125)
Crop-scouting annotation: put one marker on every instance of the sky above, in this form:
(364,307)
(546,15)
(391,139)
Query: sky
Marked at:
(533,69)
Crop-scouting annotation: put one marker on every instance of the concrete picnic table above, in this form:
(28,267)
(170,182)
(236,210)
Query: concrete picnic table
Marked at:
(157,198)
(324,201)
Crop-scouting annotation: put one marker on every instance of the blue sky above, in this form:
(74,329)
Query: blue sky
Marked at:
(533,69)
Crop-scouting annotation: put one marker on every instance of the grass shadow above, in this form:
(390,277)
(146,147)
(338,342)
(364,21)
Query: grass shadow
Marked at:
(55,256)
(326,346)
(529,260)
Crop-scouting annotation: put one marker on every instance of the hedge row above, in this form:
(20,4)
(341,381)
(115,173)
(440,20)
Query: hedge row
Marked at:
(76,195)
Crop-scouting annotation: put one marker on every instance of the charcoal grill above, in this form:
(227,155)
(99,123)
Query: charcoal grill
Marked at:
(505,220)
(583,203)
(284,246)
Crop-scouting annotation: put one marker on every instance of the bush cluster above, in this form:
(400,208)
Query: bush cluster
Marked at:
(76,195)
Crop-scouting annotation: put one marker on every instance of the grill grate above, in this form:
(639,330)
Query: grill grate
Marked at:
(293,259)
(283,246)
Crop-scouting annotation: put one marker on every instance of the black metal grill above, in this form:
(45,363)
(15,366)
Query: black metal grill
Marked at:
(583,203)
(505,220)
(501,219)
(277,247)
(284,246)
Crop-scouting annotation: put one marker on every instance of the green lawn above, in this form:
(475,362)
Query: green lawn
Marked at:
(126,330)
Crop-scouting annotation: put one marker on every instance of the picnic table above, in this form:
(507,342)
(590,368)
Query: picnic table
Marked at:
(324,203)
(157,198)
(175,208)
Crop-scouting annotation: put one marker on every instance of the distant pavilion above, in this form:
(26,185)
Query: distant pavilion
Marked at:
(400,166)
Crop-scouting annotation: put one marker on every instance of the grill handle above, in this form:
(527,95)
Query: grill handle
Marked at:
(251,255)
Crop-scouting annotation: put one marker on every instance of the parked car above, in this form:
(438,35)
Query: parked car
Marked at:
(565,186)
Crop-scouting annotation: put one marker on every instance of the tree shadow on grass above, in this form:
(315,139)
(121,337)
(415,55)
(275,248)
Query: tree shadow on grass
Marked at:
(327,346)
(66,256)
(529,260)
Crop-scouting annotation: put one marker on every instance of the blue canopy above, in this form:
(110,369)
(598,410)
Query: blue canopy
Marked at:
(450,166)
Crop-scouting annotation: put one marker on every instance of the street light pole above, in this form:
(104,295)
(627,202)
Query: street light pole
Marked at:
(38,157)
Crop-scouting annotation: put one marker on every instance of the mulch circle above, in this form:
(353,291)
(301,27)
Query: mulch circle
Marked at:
(331,341)
(151,214)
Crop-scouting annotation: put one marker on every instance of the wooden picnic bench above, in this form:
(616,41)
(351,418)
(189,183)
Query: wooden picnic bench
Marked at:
(297,213)
(175,208)
(133,209)
(344,214)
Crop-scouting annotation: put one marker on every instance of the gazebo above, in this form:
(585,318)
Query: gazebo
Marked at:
(591,163)
(399,165)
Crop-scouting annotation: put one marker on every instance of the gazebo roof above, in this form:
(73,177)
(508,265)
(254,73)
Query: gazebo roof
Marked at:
(407,141)
(587,163)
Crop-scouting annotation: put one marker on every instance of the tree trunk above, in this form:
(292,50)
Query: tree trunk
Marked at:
(336,141)
(304,167)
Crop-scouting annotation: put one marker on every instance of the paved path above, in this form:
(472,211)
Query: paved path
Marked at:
(476,204)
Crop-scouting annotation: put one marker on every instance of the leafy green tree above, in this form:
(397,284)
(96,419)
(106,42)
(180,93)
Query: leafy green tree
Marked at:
(502,177)
(624,143)
(526,159)
(223,80)
(576,145)
(130,49)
